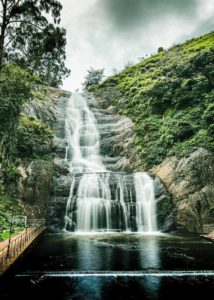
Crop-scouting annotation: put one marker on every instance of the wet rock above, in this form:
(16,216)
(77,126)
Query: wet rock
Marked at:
(60,166)
(59,147)
(165,208)
(61,185)
(56,213)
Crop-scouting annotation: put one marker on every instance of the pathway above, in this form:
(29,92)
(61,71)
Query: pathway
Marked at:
(11,249)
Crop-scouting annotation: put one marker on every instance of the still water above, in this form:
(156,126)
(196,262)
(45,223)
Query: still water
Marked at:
(113,266)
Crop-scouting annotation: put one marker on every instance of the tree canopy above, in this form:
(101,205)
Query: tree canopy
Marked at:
(93,77)
(30,36)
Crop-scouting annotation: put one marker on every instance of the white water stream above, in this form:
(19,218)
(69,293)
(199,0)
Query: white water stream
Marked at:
(94,204)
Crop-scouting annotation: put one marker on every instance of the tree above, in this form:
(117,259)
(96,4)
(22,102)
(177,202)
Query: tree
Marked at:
(160,49)
(29,39)
(15,90)
(93,77)
(201,64)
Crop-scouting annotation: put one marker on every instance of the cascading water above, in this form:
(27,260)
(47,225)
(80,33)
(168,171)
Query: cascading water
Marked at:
(101,200)
(93,199)
(145,203)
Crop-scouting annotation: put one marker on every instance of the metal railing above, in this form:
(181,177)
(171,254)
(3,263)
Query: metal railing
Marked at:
(17,245)
(35,222)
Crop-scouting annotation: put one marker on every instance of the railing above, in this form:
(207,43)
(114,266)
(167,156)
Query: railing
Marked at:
(35,222)
(17,245)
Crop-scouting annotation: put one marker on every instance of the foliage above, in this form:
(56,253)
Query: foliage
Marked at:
(15,90)
(93,78)
(171,96)
(33,138)
(20,137)
(29,38)
(8,207)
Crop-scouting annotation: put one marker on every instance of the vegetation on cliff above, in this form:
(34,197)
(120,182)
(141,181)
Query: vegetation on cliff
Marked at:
(170,98)
(23,138)
(33,138)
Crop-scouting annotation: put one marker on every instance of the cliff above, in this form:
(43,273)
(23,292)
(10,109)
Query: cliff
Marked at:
(26,180)
(190,182)
(169,98)
(36,169)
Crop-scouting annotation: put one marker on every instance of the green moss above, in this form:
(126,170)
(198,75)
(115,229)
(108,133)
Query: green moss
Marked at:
(170,98)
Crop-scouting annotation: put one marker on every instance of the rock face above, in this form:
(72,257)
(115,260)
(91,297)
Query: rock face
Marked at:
(190,181)
(165,208)
(61,179)
(35,188)
(117,138)
(36,174)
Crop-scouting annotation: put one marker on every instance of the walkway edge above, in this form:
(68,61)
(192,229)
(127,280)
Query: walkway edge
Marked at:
(10,254)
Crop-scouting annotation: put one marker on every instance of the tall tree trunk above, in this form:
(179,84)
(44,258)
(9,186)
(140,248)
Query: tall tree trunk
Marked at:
(1,48)
(3,30)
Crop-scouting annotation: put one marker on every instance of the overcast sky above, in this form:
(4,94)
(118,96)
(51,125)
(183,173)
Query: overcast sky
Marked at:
(109,33)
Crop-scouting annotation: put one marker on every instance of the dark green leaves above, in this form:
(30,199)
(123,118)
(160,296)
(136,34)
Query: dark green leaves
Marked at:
(28,38)
(15,89)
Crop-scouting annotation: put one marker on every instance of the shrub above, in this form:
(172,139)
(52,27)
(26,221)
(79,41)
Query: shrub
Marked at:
(33,138)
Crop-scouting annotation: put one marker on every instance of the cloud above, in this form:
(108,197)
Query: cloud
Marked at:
(108,33)
(205,9)
(128,14)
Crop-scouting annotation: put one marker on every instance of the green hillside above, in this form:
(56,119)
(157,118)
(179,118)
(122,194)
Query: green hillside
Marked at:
(170,98)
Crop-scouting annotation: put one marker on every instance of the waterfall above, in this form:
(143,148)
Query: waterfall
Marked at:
(82,136)
(101,200)
(145,203)
(93,203)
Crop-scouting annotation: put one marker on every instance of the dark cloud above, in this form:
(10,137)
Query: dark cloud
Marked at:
(131,13)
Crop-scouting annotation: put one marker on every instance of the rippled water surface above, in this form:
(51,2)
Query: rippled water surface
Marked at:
(114,266)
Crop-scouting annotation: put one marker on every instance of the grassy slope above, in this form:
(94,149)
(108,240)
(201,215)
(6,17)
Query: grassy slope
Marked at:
(170,98)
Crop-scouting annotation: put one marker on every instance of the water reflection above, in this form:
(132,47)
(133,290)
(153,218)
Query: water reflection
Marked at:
(116,252)
(150,259)
(111,253)
(58,255)
(149,253)
(86,288)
